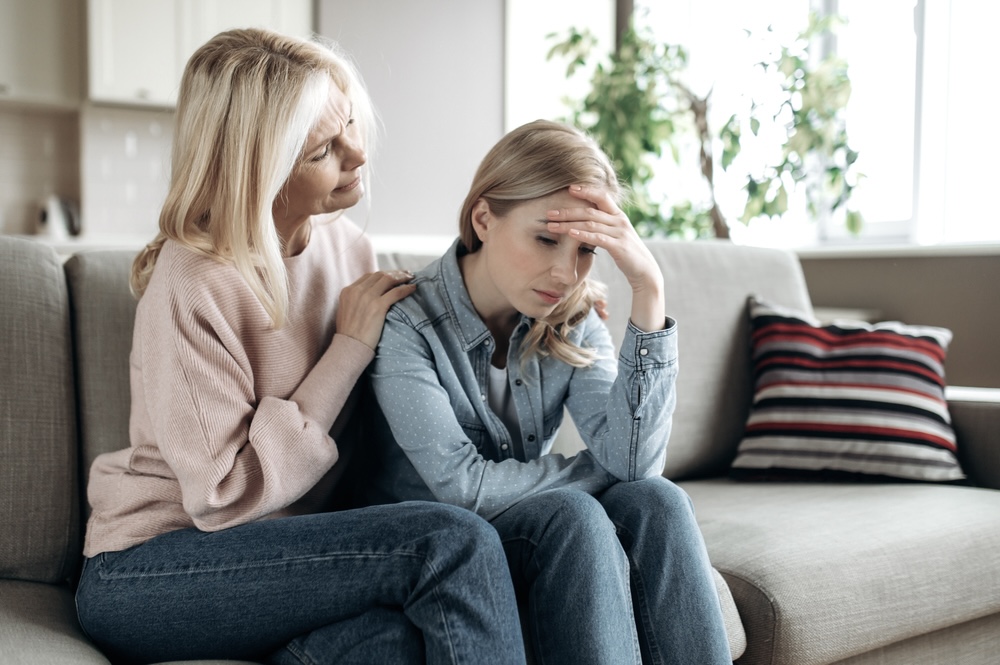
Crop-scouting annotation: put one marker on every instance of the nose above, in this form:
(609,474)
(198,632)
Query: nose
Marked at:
(564,270)
(353,155)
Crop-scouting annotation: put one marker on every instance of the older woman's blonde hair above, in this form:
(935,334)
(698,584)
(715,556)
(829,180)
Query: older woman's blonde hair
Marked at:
(530,162)
(248,100)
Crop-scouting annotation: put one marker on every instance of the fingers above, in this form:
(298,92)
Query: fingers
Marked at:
(605,218)
(364,304)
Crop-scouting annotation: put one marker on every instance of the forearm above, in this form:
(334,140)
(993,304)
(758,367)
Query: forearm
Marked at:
(624,410)
(648,310)
(323,393)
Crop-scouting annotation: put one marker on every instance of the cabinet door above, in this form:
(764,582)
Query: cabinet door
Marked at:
(206,18)
(40,51)
(134,51)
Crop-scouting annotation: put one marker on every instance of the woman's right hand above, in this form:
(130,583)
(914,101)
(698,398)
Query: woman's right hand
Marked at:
(364,304)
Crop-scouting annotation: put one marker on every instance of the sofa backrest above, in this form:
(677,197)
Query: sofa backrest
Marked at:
(38,444)
(707,283)
(103,311)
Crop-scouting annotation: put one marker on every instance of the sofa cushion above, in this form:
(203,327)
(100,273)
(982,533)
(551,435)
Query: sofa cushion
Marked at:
(103,311)
(38,488)
(38,625)
(846,398)
(821,572)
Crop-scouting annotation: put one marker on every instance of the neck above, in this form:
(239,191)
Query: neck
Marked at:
(498,314)
(294,237)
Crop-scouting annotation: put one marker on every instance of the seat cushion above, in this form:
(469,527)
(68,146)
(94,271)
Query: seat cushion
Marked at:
(38,626)
(822,572)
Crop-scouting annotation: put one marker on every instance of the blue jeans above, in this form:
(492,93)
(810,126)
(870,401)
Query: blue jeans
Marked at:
(623,577)
(404,583)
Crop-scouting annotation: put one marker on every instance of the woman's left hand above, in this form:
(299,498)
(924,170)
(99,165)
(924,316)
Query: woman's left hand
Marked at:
(607,227)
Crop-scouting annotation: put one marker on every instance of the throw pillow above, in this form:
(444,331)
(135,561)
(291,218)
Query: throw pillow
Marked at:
(848,399)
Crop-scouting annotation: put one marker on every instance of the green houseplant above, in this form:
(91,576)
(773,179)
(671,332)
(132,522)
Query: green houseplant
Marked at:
(639,108)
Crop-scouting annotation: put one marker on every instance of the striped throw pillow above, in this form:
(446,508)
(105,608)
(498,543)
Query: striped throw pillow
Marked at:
(846,400)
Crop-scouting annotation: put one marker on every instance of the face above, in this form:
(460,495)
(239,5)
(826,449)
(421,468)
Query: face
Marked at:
(527,268)
(328,175)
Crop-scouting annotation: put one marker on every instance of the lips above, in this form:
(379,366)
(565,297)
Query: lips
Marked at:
(349,186)
(549,297)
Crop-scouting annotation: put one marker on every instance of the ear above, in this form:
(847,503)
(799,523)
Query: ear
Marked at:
(482,219)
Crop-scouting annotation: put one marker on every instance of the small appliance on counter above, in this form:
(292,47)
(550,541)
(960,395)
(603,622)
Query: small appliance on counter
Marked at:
(58,218)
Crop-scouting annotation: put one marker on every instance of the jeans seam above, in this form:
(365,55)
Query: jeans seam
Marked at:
(299,654)
(252,565)
(639,598)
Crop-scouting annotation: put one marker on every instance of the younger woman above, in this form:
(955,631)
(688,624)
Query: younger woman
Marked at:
(473,372)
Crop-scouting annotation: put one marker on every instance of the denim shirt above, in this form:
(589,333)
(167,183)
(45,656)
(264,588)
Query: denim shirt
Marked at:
(430,376)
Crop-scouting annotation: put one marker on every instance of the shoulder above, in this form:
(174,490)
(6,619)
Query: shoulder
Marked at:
(190,288)
(427,301)
(185,273)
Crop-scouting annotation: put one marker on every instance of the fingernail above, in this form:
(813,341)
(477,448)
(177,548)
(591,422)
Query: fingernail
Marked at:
(576,188)
(553,213)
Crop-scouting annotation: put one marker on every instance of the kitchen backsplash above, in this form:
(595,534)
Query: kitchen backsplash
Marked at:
(124,169)
(39,157)
(112,163)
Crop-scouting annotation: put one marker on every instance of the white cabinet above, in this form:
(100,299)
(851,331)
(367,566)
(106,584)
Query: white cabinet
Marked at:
(40,52)
(138,48)
(134,51)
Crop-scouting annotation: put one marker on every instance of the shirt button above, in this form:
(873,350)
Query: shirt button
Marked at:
(517,382)
(643,352)
(503,446)
(531,437)
(484,397)
(487,342)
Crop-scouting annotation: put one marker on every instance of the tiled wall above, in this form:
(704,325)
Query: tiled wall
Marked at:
(112,163)
(124,169)
(39,157)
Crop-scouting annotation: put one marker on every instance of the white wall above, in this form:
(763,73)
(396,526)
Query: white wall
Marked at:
(434,69)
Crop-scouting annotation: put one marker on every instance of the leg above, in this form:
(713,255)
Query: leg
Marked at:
(380,635)
(677,607)
(247,591)
(569,567)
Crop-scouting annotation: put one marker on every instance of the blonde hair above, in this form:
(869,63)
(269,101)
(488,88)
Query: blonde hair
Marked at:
(248,100)
(530,162)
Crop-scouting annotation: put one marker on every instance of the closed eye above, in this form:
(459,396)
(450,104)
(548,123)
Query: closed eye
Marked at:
(548,242)
(320,157)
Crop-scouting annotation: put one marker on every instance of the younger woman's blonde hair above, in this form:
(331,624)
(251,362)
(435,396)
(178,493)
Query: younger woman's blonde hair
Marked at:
(248,100)
(530,162)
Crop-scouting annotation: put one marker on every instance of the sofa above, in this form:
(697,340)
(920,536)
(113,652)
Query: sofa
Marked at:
(809,572)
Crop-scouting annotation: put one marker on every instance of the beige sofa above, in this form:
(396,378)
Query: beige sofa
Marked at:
(814,573)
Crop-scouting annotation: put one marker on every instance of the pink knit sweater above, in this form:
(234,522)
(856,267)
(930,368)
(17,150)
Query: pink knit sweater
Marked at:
(215,441)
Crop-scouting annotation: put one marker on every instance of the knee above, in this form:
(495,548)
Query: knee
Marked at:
(463,531)
(652,498)
(574,515)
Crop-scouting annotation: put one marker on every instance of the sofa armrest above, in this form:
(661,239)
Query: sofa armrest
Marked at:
(975,415)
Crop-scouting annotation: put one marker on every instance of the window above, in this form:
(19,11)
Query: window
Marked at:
(920,114)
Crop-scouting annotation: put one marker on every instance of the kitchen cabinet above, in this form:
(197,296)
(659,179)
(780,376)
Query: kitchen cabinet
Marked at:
(41,52)
(137,50)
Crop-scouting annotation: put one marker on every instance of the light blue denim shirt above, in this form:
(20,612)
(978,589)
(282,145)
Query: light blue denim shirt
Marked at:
(430,376)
